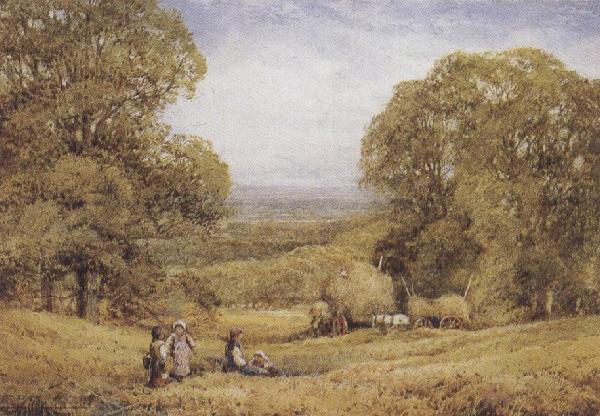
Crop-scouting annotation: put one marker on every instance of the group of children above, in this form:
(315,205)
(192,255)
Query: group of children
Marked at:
(180,345)
(260,365)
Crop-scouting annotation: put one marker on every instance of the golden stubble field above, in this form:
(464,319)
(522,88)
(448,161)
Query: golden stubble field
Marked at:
(545,368)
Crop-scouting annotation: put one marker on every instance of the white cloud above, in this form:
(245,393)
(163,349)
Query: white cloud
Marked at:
(287,101)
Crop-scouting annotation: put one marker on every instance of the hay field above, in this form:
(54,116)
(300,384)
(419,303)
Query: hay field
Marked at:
(546,368)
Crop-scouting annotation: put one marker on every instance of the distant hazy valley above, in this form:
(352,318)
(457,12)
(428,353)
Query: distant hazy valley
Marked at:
(251,202)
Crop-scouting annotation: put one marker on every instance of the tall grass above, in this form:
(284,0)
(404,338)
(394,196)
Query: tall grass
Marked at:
(546,368)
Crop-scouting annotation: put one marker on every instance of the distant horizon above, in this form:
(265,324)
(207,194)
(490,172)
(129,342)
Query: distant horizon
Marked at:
(301,202)
(292,85)
(303,191)
(349,185)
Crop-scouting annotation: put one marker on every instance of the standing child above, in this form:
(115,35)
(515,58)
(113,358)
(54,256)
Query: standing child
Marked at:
(180,345)
(157,358)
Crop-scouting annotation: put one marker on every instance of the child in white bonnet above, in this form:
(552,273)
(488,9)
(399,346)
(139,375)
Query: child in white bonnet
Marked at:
(180,345)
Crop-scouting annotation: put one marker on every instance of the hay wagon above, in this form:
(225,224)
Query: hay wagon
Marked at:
(446,312)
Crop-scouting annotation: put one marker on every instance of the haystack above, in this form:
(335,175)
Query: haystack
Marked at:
(364,292)
(448,305)
(318,309)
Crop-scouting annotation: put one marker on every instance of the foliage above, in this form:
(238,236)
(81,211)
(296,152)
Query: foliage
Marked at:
(444,248)
(490,160)
(243,240)
(187,184)
(202,295)
(86,77)
(88,170)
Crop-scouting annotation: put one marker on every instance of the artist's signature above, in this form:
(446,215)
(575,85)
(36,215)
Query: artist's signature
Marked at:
(90,405)
(39,410)
(101,409)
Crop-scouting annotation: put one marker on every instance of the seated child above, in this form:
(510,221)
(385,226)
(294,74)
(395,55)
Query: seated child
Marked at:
(234,356)
(262,362)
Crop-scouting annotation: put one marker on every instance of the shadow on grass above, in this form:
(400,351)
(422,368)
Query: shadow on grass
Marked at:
(289,366)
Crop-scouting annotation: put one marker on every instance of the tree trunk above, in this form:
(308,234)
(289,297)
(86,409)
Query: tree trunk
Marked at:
(542,303)
(47,293)
(82,293)
(549,302)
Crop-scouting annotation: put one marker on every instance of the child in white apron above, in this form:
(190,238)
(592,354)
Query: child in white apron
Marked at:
(180,345)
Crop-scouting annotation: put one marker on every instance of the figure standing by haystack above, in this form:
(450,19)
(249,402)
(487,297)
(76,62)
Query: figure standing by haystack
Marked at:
(180,346)
(339,324)
(155,361)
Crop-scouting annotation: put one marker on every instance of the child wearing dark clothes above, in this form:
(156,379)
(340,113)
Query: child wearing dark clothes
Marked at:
(157,359)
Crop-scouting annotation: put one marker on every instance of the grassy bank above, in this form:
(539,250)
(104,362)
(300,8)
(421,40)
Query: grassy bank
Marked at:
(289,278)
(546,368)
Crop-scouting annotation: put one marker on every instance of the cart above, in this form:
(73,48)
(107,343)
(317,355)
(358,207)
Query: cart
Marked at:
(446,312)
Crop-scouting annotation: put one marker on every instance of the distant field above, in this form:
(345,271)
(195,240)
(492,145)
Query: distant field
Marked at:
(279,277)
(257,240)
(546,368)
(306,204)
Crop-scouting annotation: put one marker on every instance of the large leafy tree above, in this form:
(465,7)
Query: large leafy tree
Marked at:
(82,83)
(408,152)
(87,76)
(529,137)
(187,183)
(513,135)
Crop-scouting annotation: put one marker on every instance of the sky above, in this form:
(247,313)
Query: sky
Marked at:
(292,85)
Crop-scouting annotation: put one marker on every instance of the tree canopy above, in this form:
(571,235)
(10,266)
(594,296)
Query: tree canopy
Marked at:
(88,169)
(505,147)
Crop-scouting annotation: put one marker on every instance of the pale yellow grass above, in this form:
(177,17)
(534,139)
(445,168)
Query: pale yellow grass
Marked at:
(549,368)
(264,325)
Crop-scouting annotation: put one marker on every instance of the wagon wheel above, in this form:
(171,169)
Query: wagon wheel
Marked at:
(423,322)
(451,322)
